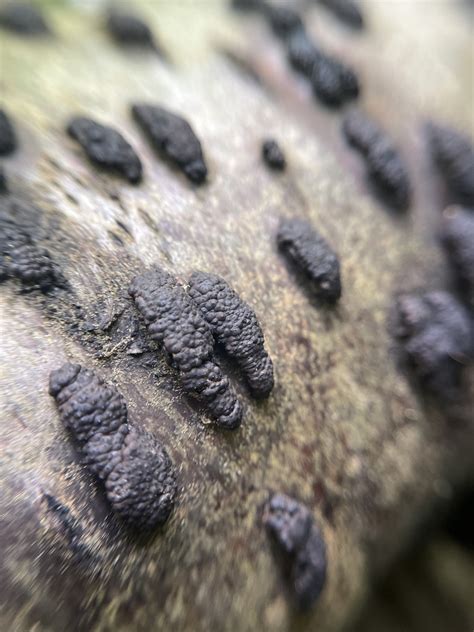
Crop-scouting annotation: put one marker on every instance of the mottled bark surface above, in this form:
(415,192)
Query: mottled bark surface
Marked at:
(343,430)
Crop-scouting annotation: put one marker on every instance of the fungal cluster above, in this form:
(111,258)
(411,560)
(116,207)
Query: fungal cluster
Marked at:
(348,11)
(21,257)
(187,324)
(385,167)
(457,238)
(312,256)
(129,30)
(135,470)
(23,18)
(299,545)
(273,155)
(8,140)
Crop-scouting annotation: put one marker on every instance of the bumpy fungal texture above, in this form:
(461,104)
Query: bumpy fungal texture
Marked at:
(130,30)
(453,152)
(235,326)
(313,256)
(301,545)
(174,138)
(7,135)
(273,155)
(457,237)
(136,471)
(21,258)
(347,11)
(435,334)
(106,147)
(23,18)
(174,321)
(385,167)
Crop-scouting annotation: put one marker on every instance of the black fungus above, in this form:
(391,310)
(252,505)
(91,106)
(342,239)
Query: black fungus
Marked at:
(21,258)
(385,167)
(174,321)
(23,18)
(313,256)
(453,152)
(457,237)
(334,83)
(106,147)
(172,136)
(283,20)
(130,30)
(235,327)
(348,11)
(273,155)
(135,470)
(7,135)
(3,182)
(434,332)
(301,546)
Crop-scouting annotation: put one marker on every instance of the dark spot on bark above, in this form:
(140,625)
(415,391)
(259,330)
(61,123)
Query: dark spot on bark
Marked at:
(23,18)
(434,333)
(174,321)
(247,5)
(313,257)
(174,138)
(348,11)
(385,167)
(273,155)
(8,141)
(136,472)
(453,153)
(234,326)
(300,546)
(20,257)
(457,237)
(283,20)
(128,29)
(3,182)
(106,147)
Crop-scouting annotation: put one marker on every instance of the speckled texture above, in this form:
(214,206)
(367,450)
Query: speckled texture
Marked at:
(136,471)
(106,147)
(343,430)
(174,138)
(234,326)
(174,321)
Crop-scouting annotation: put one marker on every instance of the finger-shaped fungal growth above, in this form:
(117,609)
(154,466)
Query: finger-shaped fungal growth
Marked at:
(273,155)
(312,256)
(175,322)
(235,327)
(174,138)
(434,332)
(385,167)
(348,11)
(7,135)
(130,30)
(23,18)
(457,237)
(300,545)
(135,470)
(106,147)
(453,152)
(21,258)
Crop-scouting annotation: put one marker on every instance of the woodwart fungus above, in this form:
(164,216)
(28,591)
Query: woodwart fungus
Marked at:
(21,258)
(457,237)
(106,147)
(23,18)
(8,141)
(234,326)
(174,138)
(301,547)
(313,256)
(453,153)
(135,470)
(435,335)
(174,321)
(273,155)
(129,30)
(385,167)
